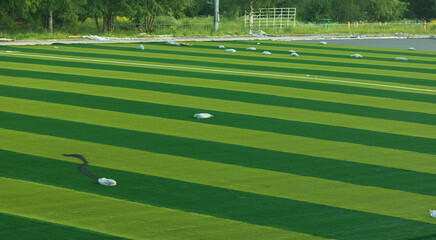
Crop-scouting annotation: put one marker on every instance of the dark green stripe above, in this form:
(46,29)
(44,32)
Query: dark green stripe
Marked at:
(304,129)
(14,227)
(283,70)
(286,57)
(239,96)
(263,210)
(225,77)
(356,173)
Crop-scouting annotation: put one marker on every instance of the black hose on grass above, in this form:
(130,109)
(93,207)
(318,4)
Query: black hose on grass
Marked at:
(82,167)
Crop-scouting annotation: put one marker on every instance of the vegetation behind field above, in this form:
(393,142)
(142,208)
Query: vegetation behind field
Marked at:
(37,19)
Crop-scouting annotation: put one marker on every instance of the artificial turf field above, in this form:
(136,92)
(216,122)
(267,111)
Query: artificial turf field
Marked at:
(322,146)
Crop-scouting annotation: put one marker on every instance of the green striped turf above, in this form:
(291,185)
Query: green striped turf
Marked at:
(284,57)
(16,227)
(238,155)
(313,130)
(225,77)
(281,213)
(239,96)
(283,69)
(298,103)
(241,206)
(384,51)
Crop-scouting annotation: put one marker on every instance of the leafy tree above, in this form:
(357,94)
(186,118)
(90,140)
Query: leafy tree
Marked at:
(421,9)
(108,9)
(385,10)
(346,10)
(12,10)
(146,11)
(314,10)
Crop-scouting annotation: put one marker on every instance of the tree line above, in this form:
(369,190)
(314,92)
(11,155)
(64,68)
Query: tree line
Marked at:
(47,13)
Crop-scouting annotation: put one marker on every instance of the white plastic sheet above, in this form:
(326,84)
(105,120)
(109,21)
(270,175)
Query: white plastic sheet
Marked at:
(203,115)
(230,50)
(266,53)
(107,182)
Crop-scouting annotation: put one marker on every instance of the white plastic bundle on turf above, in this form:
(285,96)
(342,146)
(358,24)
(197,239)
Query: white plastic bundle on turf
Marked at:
(141,47)
(170,43)
(400,59)
(294,54)
(323,43)
(230,50)
(433,213)
(412,49)
(292,51)
(251,49)
(203,115)
(107,182)
(221,46)
(356,55)
(266,53)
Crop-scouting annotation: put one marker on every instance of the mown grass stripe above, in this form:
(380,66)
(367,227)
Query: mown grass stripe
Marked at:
(247,97)
(318,131)
(243,156)
(263,182)
(56,73)
(352,74)
(17,227)
(284,56)
(363,87)
(206,104)
(124,218)
(219,202)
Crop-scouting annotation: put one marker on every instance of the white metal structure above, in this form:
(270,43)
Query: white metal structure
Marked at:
(272,17)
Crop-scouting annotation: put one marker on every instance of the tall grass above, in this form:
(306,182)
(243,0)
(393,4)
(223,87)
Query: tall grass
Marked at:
(203,26)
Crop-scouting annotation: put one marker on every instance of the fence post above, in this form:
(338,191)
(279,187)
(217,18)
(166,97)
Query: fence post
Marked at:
(380,23)
(425,25)
(348,25)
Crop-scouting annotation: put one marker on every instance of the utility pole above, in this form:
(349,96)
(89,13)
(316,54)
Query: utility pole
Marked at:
(216,15)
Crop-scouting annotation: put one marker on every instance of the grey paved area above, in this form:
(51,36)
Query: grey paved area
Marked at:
(336,37)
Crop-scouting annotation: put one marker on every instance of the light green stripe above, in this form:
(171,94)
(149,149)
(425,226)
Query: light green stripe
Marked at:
(123,218)
(309,189)
(379,102)
(334,119)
